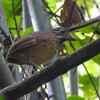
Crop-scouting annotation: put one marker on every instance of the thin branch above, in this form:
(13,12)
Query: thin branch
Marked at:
(59,67)
(76,27)
(83,24)
(95,30)
(81,13)
(15,19)
(96,4)
(58,9)
(86,6)
(50,11)
(93,84)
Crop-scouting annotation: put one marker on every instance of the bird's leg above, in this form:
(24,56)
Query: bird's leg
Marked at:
(33,65)
(34,68)
(24,71)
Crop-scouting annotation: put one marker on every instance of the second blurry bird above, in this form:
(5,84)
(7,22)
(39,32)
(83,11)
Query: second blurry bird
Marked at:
(37,48)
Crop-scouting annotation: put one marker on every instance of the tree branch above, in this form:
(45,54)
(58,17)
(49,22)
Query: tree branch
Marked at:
(78,26)
(83,24)
(59,67)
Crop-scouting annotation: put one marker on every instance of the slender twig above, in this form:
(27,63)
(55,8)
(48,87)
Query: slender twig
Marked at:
(76,27)
(15,19)
(82,24)
(92,81)
(85,4)
(96,5)
(51,13)
(58,8)
(24,70)
(81,14)
(94,32)
(57,21)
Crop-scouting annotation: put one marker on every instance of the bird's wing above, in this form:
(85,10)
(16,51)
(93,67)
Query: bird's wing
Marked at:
(26,43)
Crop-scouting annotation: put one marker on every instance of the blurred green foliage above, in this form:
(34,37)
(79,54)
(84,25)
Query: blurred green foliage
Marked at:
(75,98)
(8,8)
(87,87)
(2,97)
(88,2)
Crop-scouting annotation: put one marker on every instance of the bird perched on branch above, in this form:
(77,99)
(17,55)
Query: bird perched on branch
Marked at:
(37,48)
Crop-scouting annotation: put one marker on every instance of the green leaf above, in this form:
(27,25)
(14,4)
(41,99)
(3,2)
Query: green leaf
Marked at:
(68,47)
(26,32)
(2,97)
(8,8)
(52,4)
(84,40)
(89,28)
(11,22)
(87,87)
(74,97)
(92,67)
(97,59)
(88,2)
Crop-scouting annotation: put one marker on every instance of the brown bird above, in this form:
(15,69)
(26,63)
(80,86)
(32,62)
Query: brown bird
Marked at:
(37,48)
